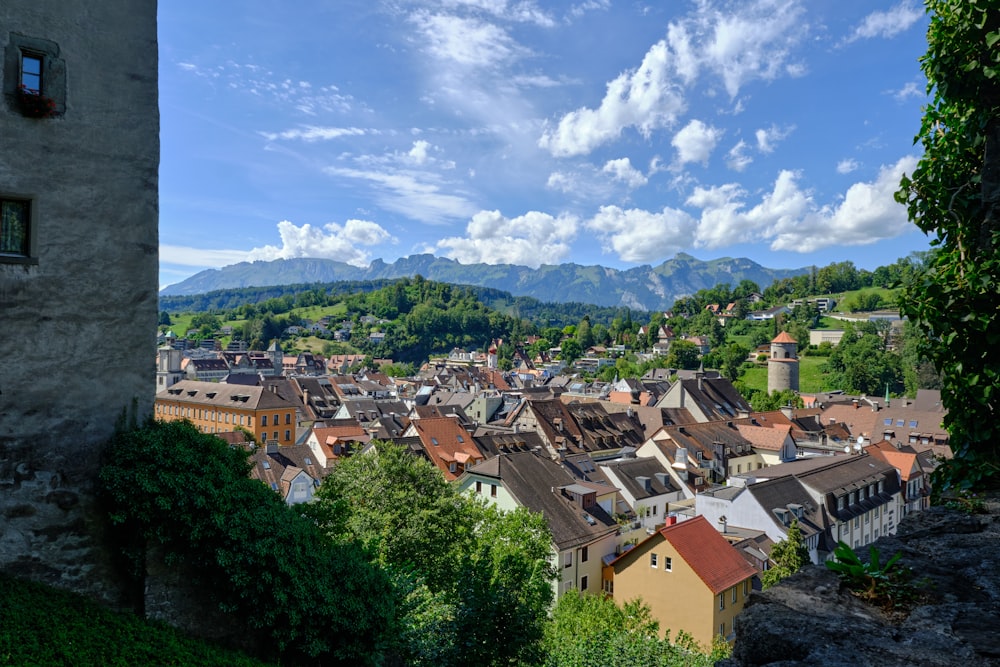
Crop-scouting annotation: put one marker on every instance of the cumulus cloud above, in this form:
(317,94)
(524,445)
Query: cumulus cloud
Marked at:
(767,139)
(332,241)
(749,41)
(531,239)
(695,142)
(790,218)
(737,158)
(645,98)
(752,40)
(636,235)
(622,170)
(888,23)
(847,165)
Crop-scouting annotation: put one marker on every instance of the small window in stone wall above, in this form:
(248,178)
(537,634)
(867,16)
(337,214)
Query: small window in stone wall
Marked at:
(34,77)
(15,228)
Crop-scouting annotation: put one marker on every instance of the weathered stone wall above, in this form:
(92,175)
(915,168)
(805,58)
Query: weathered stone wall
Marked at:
(812,619)
(77,318)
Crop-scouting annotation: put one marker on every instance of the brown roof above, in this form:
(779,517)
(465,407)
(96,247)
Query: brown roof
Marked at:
(708,553)
(444,440)
(783,337)
(222,395)
(763,437)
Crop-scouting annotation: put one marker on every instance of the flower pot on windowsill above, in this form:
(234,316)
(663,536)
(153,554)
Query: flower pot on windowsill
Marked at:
(35,105)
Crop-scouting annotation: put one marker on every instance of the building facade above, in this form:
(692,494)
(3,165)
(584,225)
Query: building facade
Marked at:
(221,408)
(79,159)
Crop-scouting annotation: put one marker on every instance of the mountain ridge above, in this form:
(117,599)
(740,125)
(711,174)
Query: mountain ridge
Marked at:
(644,287)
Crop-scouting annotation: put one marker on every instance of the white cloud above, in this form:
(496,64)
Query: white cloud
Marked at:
(636,235)
(531,239)
(417,195)
(887,23)
(790,219)
(847,165)
(750,41)
(645,98)
(741,43)
(562,181)
(332,241)
(524,11)
(311,133)
(466,41)
(622,170)
(737,158)
(200,257)
(695,142)
(767,139)
(911,89)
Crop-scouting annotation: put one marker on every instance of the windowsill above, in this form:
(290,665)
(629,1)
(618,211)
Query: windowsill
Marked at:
(18,259)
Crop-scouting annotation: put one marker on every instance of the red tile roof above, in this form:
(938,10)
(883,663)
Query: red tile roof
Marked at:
(708,553)
(764,437)
(783,337)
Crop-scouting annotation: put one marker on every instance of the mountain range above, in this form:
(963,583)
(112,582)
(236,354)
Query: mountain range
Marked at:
(642,287)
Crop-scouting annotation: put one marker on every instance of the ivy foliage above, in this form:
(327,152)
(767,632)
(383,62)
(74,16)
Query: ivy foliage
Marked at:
(954,196)
(187,495)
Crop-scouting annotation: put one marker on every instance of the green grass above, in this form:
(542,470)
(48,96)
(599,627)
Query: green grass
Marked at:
(811,378)
(40,625)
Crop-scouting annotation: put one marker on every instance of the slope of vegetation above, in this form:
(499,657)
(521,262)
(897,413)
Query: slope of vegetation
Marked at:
(40,625)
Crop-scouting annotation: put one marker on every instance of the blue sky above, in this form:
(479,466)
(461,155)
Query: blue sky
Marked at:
(537,132)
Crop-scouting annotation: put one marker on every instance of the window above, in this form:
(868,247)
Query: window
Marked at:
(722,601)
(746,588)
(568,559)
(288,434)
(583,583)
(722,629)
(275,435)
(567,586)
(493,490)
(734,594)
(277,419)
(30,78)
(452,467)
(479,487)
(857,522)
(668,564)
(584,554)
(654,510)
(288,417)
(263,420)
(15,227)
(652,561)
(840,502)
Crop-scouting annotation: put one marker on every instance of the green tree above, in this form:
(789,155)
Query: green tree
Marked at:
(954,195)
(473,583)
(267,567)
(570,350)
(164,319)
(788,555)
(683,354)
(593,631)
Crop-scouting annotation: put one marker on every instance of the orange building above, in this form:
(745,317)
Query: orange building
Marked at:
(219,408)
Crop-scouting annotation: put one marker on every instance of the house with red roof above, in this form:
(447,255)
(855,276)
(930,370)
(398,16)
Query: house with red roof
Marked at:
(689,575)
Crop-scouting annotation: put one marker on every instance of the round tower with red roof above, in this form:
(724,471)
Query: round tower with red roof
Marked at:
(783,366)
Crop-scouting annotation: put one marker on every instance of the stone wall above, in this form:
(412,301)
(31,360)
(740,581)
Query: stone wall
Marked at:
(77,348)
(812,619)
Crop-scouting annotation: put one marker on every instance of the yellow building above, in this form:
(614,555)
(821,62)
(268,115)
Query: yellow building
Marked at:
(689,575)
(218,408)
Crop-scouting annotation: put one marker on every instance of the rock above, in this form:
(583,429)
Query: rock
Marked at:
(811,618)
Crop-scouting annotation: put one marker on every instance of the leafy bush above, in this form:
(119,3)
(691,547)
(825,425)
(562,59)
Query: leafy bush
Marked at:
(167,485)
(886,585)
